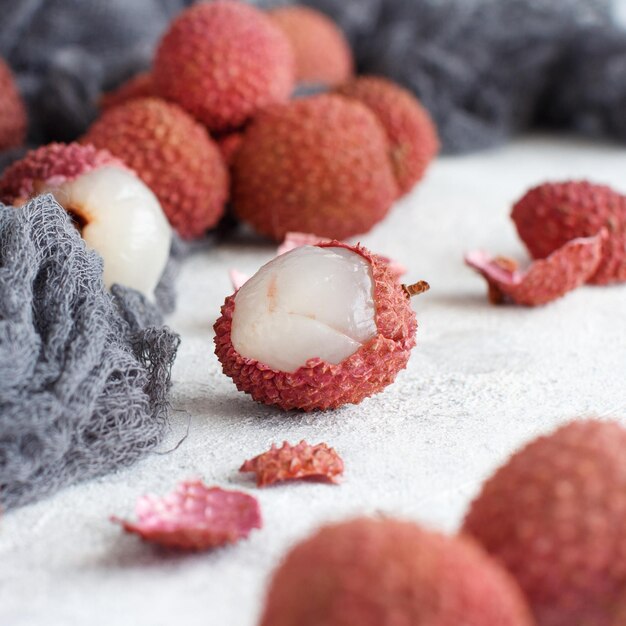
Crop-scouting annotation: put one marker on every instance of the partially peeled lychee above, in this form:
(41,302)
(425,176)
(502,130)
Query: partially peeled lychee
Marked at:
(116,214)
(546,279)
(317,327)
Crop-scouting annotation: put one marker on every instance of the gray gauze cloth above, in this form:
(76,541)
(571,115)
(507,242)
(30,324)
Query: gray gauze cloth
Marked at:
(84,375)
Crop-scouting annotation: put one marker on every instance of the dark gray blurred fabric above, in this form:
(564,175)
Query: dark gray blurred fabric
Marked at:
(84,374)
(482,67)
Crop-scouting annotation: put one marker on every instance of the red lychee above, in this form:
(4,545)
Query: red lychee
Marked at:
(322,53)
(173,155)
(13,119)
(317,327)
(550,215)
(224,61)
(555,516)
(115,212)
(375,572)
(316,165)
(413,140)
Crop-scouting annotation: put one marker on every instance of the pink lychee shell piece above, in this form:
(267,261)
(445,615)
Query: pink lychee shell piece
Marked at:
(545,280)
(195,517)
(303,461)
(52,164)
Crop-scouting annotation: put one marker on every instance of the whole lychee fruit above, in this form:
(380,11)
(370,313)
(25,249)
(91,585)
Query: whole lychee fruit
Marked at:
(375,572)
(223,62)
(555,516)
(413,141)
(173,154)
(316,165)
(116,214)
(317,327)
(550,215)
(138,86)
(12,111)
(322,53)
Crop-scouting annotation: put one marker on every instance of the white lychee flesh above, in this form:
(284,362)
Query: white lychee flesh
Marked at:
(121,219)
(310,302)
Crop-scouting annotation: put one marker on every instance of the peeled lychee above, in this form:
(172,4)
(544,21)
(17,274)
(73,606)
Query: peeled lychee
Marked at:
(552,214)
(12,111)
(116,214)
(546,279)
(322,53)
(386,572)
(173,155)
(413,141)
(139,86)
(223,62)
(317,327)
(555,516)
(316,165)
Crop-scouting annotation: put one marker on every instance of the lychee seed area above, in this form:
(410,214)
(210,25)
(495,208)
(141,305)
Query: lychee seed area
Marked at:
(309,303)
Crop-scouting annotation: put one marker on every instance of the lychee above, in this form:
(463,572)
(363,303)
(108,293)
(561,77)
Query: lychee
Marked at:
(316,165)
(116,214)
(555,516)
(322,53)
(223,62)
(413,141)
(375,572)
(12,111)
(229,145)
(138,86)
(317,327)
(546,279)
(550,215)
(173,155)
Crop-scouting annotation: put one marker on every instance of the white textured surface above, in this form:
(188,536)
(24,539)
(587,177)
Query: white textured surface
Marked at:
(481,381)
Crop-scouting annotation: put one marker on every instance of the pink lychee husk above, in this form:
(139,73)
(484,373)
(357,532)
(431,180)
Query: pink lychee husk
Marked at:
(195,517)
(550,215)
(545,280)
(300,462)
(319,385)
(52,164)
(13,117)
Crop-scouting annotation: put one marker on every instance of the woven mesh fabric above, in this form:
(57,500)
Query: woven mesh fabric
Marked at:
(84,373)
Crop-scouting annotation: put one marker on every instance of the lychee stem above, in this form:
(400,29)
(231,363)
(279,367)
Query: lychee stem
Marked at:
(416,288)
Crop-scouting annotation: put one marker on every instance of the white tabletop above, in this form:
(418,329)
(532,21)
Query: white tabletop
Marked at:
(481,381)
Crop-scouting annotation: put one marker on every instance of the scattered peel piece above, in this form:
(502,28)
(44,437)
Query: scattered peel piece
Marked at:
(303,461)
(296,240)
(545,280)
(195,517)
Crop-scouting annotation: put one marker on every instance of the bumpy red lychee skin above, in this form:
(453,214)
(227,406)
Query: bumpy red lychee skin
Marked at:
(316,165)
(13,119)
(173,155)
(54,163)
(320,385)
(550,215)
(545,280)
(413,140)
(555,516)
(375,572)
(223,62)
(139,86)
(229,145)
(322,53)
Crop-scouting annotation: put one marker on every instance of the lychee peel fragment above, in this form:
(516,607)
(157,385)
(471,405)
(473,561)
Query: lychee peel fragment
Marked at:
(195,517)
(545,280)
(51,165)
(303,461)
(319,384)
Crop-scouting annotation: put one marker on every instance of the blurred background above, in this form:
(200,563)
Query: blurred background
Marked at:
(486,69)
